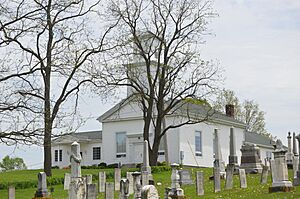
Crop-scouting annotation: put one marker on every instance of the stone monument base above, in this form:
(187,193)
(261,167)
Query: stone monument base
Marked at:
(280,189)
(281,186)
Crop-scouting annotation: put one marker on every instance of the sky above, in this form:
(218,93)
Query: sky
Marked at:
(257,43)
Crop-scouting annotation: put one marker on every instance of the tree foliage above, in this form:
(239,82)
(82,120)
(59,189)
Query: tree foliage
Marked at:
(158,58)
(248,111)
(9,163)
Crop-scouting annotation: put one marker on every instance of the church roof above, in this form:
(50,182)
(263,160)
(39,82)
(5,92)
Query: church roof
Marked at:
(88,136)
(183,108)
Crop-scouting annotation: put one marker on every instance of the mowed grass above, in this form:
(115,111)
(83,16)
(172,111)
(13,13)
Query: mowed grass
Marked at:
(254,190)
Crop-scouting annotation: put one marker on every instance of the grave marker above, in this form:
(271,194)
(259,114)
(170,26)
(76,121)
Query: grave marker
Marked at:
(199,183)
(243,179)
(11,192)
(102,181)
(109,190)
(67,181)
(117,179)
(149,192)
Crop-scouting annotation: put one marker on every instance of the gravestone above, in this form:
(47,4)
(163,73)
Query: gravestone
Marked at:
(91,191)
(89,179)
(175,191)
(137,187)
(67,180)
(280,181)
(250,159)
(218,153)
(77,189)
(199,183)
(217,170)
(124,189)
(102,181)
(42,191)
(264,175)
(11,192)
(295,157)
(145,178)
(117,179)
(146,166)
(185,177)
(229,176)
(149,192)
(243,179)
(130,178)
(296,181)
(289,154)
(109,190)
(232,152)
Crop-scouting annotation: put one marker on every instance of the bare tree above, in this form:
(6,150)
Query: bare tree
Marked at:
(159,60)
(48,48)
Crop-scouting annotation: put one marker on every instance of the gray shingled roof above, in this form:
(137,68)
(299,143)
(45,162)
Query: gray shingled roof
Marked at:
(182,108)
(88,136)
(258,139)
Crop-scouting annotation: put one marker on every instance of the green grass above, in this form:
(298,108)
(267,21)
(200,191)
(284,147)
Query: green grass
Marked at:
(254,191)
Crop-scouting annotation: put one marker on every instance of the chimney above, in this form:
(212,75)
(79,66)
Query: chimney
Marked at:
(229,110)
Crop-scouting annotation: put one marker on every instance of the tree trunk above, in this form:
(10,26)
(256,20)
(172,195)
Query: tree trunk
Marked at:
(153,154)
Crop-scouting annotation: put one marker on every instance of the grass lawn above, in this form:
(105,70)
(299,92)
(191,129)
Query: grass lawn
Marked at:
(254,191)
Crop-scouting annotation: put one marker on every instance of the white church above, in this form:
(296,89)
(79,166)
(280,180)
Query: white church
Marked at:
(121,139)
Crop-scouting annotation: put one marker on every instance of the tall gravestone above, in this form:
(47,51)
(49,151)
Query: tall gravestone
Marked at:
(146,166)
(217,170)
(289,154)
(117,179)
(175,191)
(130,178)
(250,159)
(42,191)
(77,189)
(109,190)
(145,178)
(232,152)
(91,191)
(218,147)
(280,180)
(296,181)
(102,181)
(199,183)
(295,157)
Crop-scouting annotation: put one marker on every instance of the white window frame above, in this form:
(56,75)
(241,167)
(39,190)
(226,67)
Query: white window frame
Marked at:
(122,153)
(198,152)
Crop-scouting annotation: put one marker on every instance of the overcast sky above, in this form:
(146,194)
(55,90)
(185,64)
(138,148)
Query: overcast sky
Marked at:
(257,42)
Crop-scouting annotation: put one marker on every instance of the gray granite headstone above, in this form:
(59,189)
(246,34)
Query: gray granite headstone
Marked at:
(102,181)
(91,191)
(89,179)
(185,177)
(200,183)
(11,192)
(149,192)
(130,178)
(146,166)
(67,181)
(243,179)
(250,159)
(109,190)
(229,176)
(264,175)
(217,176)
(280,181)
(42,185)
(117,179)
(289,155)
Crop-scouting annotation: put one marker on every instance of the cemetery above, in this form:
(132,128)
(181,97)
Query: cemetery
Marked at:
(167,182)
